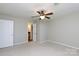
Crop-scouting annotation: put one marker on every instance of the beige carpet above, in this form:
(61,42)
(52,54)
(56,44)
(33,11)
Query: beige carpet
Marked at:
(37,49)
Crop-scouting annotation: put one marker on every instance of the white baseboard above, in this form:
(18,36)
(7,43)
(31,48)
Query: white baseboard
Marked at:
(18,43)
(43,41)
(63,44)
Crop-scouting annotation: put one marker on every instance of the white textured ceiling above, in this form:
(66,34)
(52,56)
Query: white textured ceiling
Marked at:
(26,10)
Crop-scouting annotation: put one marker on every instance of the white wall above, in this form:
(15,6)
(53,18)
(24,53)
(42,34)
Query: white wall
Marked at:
(65,29)
(42,31)
(20,29)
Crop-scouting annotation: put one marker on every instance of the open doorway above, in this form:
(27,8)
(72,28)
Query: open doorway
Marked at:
(31,32)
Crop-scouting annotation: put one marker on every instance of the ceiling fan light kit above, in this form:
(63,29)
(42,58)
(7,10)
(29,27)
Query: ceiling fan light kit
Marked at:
(42,17)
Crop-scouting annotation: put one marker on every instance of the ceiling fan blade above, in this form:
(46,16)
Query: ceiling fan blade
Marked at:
(48,17)
(49,13)
(38,12)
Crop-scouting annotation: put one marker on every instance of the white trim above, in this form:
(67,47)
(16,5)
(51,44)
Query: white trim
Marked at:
(43,41)
(63,44)
(34,32)
(18,43)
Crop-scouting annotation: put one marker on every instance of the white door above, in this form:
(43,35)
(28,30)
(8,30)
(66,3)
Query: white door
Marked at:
(6,33)
(34,32)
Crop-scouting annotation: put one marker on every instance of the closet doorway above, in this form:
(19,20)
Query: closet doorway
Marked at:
(6,33)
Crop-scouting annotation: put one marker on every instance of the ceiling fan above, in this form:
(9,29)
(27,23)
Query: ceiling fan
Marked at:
(43,14)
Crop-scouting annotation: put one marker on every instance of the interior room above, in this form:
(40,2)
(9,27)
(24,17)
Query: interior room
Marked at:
(39,29)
